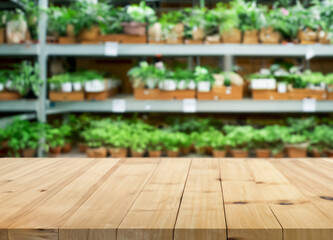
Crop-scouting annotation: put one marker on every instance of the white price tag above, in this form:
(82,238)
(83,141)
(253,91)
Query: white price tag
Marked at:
(310,53)
(111,49)
(147,107)
(119,105)
(309,105)
(189,105)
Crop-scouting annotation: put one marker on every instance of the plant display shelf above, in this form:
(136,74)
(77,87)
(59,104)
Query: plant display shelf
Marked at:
(218,106)
(165,199)
(21,105)
(19,50)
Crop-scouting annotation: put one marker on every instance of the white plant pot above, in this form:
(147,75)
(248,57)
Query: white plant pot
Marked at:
(77,86)
(94,86)
(169,85)
(204,86)
(1,87)
(282,87)
(151,83)
(182,85)
(160,85)
(191,85)
(66,87)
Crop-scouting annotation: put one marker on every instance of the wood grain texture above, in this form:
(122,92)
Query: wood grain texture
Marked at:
(201,214)
(166,199)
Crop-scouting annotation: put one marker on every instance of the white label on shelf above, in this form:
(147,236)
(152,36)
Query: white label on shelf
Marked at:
(309,105)
(310,53)
(111,49)
(119,105)
(147,107)
(267,83)
(228,90)
(189,105)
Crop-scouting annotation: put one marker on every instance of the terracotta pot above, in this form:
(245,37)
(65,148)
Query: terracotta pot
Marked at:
(178,30)
(198,34)
(185,150)
(263,153)
(209,150)
(2,35)
(308,36)
(232,36)
(29,153)
(238,153)
(172,154)
(155,154)
(294,152)
(251,37)
(55,151)
(67,148)
(70,30)
(278,155)
(90,34)
(82,147)
(329,153)
(324,38)
(134,28)
(219,153)
(137,154)
(96,152)
(316,153)
(118,152)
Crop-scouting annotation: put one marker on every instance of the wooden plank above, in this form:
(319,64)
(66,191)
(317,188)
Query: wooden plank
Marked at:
(153,215)
(235,165)
(201,214)
(247,216)
(299,218)
(110,203)
(52,212)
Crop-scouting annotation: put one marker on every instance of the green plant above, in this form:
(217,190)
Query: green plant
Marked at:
(140,13)
(111,23)
(296,140)
(118,136)
(202,74)
(59,18)
(168,21)
(321,138)
(173,140)
(155,140)
(143,73)
(240,137)
(54,137)
(315,78)
(3,18)
(194,19)
(227,17)
(94,137)
(32,15)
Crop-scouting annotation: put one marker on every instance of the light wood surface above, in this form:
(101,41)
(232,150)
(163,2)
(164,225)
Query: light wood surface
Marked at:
(166,199)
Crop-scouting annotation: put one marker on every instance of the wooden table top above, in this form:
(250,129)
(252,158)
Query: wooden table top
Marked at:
(165,199)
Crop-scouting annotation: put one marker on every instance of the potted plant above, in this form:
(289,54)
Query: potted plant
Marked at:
(137,17)
(171,142)
(118,139)
(296,145)
(194,25)
(204,80)
(274,138)
(228,24)
(326,12)
(185,143)
(155,143)
(61,22)
(240,140)
(172,27)
(95,141)
(269,33)
(55,140)
(329,84)
(211,26)
(228,85)
(16,27)
(3,21)
(319,140)
(250,15)
(111,25)
(138,144)
(310,24)
(67,133)
(261,143)
(219,143)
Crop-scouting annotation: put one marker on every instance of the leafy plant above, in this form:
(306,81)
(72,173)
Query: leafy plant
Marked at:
(194,19)
(140,13)
(111,23)
(240,137)
(169,20)
(142,74)
(321,138)
(59,18)
(227,18)
(202,74)
(155,140)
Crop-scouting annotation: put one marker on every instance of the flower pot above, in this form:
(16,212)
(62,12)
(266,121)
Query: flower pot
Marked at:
(182,85)
(316,153)
(82,147)
(55,150)
(324,38)
(134,28)
(233,35)
(66,87)
(308,36)
(16,31)
(168,85)
(278,155)
(2,35)
(2,87)
(329,153)
(70,30)
(77,86)
(90,34)
(204,86)
(156,153)
(136,154)
(219,153)
(29,153)
(213,39)
(151,83)
(294,152)
(96,152)
(185,150)
(95,85)
(238,153)
(172,154)
(178,30)
(155,32)
(118,152)
(269,36)
(191,85)
(209,150)
(263,153)
(67,148)
(198,33)
(251,37)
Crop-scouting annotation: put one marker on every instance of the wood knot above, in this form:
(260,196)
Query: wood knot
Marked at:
(286,203)
(219,179)
(259,182)
(240,202)
(43,190)
(234,238)
(327,198)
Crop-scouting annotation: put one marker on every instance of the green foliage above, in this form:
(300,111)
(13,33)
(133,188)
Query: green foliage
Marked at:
(194,18)
(155,140)
(80,76)
(211,138)
(140,13)
(270,137)
(240,137)
(169,19)
(111,23)
(202,74)
(59,18)
(321,138)
(144,72)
